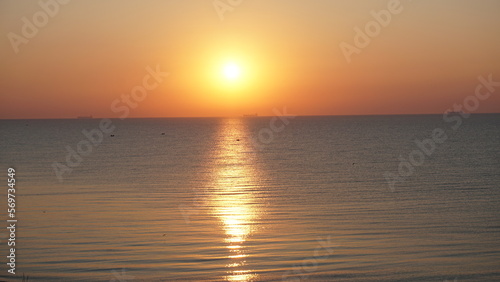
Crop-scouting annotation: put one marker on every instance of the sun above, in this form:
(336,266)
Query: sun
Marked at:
(231,71)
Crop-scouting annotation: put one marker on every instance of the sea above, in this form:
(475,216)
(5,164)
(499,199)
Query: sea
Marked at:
(278,198)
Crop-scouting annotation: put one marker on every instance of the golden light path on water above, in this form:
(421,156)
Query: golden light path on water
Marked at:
(234,200)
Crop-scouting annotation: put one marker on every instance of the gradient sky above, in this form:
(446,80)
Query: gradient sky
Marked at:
(91,52)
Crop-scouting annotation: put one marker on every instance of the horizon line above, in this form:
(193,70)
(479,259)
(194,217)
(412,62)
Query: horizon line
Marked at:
(242,116)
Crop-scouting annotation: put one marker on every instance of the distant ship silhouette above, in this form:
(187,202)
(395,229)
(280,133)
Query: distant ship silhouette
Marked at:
(84,117)
(250,115)
(454,112)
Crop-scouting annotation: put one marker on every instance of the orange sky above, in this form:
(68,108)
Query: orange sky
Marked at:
(84,55)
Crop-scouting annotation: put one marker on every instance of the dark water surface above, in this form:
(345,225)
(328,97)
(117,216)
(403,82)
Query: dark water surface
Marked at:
(214,200)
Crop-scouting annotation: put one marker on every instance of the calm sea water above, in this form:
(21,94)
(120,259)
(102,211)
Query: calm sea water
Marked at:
(210,200)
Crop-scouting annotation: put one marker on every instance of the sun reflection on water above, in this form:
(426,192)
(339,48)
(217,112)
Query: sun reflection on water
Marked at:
(234,199)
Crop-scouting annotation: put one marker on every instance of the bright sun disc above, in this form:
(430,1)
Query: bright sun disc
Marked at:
(231,71)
